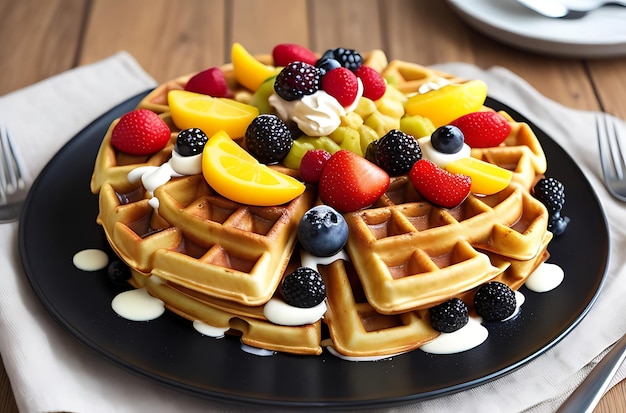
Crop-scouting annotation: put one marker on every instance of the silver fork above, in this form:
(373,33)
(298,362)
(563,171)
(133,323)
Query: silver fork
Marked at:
(13,186)
(612,157)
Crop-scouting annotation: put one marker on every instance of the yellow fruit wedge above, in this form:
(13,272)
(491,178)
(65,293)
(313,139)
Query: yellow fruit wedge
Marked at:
(444,105)
(248,70)
(487,179)
(195,110)
(238,176)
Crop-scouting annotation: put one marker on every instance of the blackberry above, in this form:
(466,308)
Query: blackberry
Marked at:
(449,316)
(303,288)
(118,272)
(296,80)
(348,58)
(190,142)
(551,193)
(268,139)
(396,152)
(494,301)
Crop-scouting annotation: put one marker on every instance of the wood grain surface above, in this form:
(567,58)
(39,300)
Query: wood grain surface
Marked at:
(171,38)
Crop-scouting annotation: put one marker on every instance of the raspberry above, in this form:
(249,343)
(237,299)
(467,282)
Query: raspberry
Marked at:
(449,316)
(296,80)
(303,288)
(190,142)
(268,139)
(374,85)
(312,164)
(551,193)
(396,152)
(494,301)
(341,84)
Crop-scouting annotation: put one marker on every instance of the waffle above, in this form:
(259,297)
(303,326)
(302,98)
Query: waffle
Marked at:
(213,260)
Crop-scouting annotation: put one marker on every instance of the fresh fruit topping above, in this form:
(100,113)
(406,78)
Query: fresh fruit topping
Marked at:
(209,82)
(238,176)
(303,288)
(483,129)
(326,64)
(449,102)
(495,301)
(260,98)
(487,178)
(374,86)
(248,71)
(195,110)
(348,58)
(118,272)
(395,152)
(418,126)
(140,132)
(322,231)
(190,142)
(312,164)
(268,139)
(350,182)
(449,316)
(551,193)
(296,80)
(447,139)
(342,84)
(286,53)
(438,185)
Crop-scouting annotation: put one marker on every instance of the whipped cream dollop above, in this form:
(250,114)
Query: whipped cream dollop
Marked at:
(318,114)
(441,159)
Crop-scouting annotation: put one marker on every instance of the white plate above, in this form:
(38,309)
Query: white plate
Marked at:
(599,34)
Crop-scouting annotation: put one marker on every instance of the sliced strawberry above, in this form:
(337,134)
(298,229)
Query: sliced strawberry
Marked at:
(140,132)
(286,53)
(350,182)
(374,85)
(209,82)
(483,129)
(438,185)
(312,164)
(342,84)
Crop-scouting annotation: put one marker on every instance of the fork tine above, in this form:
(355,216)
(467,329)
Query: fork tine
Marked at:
(612,156)
(3,168)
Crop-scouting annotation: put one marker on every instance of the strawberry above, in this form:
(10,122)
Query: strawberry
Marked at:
(286,53)
(374,85)
(209,82)
(312,164)
(438,185)
(350,182)
(140,132)
(483,129)
(342,84)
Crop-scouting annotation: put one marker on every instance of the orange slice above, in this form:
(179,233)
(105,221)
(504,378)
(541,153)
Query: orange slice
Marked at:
(445,104)
(247,69)
(195,110)
(238,176)
(487,179)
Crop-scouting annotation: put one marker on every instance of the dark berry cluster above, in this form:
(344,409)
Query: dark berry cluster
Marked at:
(551,193)
(296,80)
(190,142)
(303,288)
(395,152)
(495,301)
(449,316)
(268,139)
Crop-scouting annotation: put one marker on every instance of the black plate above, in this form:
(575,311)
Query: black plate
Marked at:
(58,220)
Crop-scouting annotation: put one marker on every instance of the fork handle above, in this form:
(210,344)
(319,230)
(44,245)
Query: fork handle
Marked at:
(589,393)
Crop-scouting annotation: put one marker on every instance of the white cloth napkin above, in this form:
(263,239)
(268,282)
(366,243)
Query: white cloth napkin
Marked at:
(51,371)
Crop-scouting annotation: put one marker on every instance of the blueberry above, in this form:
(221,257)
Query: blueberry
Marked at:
(326,64)
(118,272)
(447,139)
(322,231)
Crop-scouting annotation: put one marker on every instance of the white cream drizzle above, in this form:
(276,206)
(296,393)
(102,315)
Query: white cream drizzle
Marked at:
(545,278)
(90,260)
(137,305)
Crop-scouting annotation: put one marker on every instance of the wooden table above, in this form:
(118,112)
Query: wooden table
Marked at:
(40,39)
